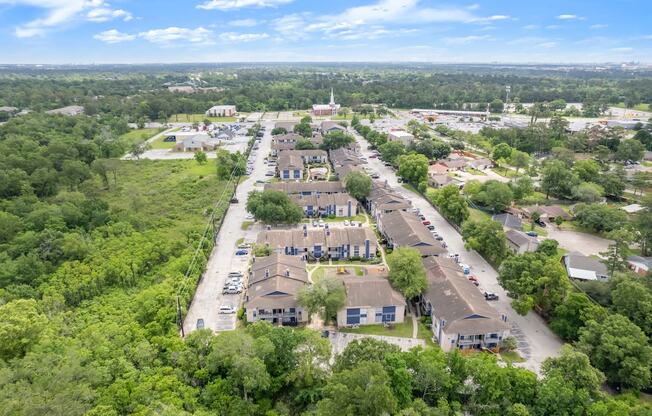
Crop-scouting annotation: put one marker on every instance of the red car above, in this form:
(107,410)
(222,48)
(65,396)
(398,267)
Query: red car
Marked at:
(426,222)
(473,278)
(373,157)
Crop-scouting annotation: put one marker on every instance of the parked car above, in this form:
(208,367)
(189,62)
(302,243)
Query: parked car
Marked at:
(422,217)
(490,296)
(234,200)
(373,156)
(200,323)
(375,176)
(465,268)
(269,173)
(241,253)
(471,277)
(540,223)
(439,238)
(431,227)
(532,234)
(346,222)
(235,274)
(399,180)
(225,309)
(425,222)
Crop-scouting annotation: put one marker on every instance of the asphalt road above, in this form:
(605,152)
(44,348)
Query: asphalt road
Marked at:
(536,341)
(208,296)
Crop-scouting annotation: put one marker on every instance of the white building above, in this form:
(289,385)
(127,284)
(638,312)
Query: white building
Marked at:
(221,111)
(401,136)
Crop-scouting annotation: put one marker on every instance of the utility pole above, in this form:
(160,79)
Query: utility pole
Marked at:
(180,318)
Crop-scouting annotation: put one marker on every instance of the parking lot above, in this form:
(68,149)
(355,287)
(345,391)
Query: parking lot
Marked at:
(223,259)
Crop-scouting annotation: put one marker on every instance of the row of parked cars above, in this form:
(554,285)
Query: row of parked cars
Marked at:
(234,284)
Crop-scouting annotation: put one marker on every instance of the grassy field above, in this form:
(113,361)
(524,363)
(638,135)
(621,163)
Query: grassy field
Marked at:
(138,135)
(423,332)
(506,172)
(171,196)
(198,118)
(403,330)
(639,107)
(360,218)
(477,215)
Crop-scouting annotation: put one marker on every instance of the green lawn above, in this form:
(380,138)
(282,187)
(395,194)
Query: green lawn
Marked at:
(475,172)
(403,330)
(506,172)
(360,218)
(478,215)
(511,357)
(425,333)
(199,118)
(138,136)
(639,107)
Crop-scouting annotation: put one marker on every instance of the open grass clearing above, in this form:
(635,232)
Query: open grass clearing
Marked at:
(403,330)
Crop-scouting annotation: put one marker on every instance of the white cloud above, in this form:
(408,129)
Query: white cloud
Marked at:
(171,35)
(243,23)
(598,26)
(103,14)
(474,6)
(567,17)
(373,19)
(467,39)
(623,49)
(553,27)
(242,37)
(547,45)
(239,4)
(114,36)
(531,27)
(59,13)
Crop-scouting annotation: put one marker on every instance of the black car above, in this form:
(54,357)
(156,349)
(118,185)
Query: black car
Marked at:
(200,323)
(234,200)
(439,238)
(540,223)
(431,227)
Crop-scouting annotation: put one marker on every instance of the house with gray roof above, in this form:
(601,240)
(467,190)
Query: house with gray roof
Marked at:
(404,229)
(519,242)
(328,126)
(307,188)
(339,205)
(461,317)
(384,199)
(581,267)
(510,221)
(287,125)
(274,285)
(289,166)
(71,110)
(370,301)
(321,243)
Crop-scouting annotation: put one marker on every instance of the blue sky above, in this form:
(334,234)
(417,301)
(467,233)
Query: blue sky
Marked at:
(153,31)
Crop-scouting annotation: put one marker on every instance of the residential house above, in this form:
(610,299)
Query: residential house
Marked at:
(274,285)
(461,317)
(437,169)
(370,301)
(328,126)
(519,242)
(339,205)
(481,164)
(307,188)
(509,221)
(222,111)
(453,165)
(546,212)
(640,265)
(581,267)
(400,136)
(322,243)
(71,110)
(404,229)
(438,181)
(289,166)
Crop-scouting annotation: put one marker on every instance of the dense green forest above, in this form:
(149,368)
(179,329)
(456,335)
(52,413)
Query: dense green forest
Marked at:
(144,94)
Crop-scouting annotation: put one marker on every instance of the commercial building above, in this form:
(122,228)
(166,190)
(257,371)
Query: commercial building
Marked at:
(222,111)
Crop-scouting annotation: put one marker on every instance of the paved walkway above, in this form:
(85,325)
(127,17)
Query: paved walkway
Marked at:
(341,339)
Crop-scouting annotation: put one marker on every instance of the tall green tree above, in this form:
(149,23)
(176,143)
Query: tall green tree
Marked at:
(487,238)
(358,184)
(413,168)
(325,297)
(451,203)
(406,271)
(273,207)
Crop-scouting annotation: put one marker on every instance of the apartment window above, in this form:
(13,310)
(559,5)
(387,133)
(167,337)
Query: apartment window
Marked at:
(461,336)
(353,316)
(292,310)
(297,174)
(389,313)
